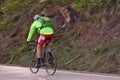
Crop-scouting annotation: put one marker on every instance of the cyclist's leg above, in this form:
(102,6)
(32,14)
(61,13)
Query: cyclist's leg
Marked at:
(41,41)
(49,51)
(48,44)
(39,53)
(48,47)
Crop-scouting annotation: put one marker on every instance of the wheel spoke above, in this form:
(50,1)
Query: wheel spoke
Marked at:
(51,64)
(32,63)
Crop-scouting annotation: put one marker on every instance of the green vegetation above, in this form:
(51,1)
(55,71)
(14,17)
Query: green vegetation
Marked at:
(63,2)
(59,2)
(15,6)
(100,57)
(82,5)
(12,6)
(6,24)
(99,48)
(104,58)
(40,8)
(65,52)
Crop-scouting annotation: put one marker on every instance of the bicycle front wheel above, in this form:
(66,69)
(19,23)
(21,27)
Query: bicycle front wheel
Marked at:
(33,62)
(50,63)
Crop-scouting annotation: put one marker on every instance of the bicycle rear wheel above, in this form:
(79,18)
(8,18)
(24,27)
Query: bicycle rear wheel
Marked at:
(50,65)
(33,62)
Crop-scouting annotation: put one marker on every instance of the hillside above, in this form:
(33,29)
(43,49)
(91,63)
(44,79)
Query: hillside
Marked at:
(87,30)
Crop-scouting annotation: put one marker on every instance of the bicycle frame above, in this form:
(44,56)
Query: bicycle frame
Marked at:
(46,64)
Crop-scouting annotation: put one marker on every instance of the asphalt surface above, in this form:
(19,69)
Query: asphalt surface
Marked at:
(22,73)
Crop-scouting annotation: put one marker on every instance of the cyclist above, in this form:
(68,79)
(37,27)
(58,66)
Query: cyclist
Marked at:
(44,26)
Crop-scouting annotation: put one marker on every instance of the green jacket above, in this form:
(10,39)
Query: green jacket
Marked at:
(37,24)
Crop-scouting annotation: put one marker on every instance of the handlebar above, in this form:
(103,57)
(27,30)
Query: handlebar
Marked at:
(34,41)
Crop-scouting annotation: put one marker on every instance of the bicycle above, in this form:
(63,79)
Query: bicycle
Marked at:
(50,65)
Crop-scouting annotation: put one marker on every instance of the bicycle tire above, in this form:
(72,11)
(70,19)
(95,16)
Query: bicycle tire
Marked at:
(33,62)
(50,67)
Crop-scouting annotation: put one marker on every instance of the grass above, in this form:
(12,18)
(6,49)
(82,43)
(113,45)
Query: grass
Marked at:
(72,33)
(82,5)
(63,2)
(95,61)
(99,48)
(9,22)
(65,51)
(12,6)
(101,55)
(5,25)
(44,4)
(23,59)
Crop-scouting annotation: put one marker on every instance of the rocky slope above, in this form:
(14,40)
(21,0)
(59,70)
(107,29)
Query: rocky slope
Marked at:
(92,35)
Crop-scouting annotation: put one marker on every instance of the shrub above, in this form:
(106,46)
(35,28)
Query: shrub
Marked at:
(84,4)
(62,2)
(40,8)
(12,6)
(8,23)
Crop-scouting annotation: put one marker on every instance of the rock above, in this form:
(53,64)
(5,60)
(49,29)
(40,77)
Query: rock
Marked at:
(51,10)
(61,15)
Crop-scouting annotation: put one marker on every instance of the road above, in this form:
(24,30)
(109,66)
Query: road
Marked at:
(23,73)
